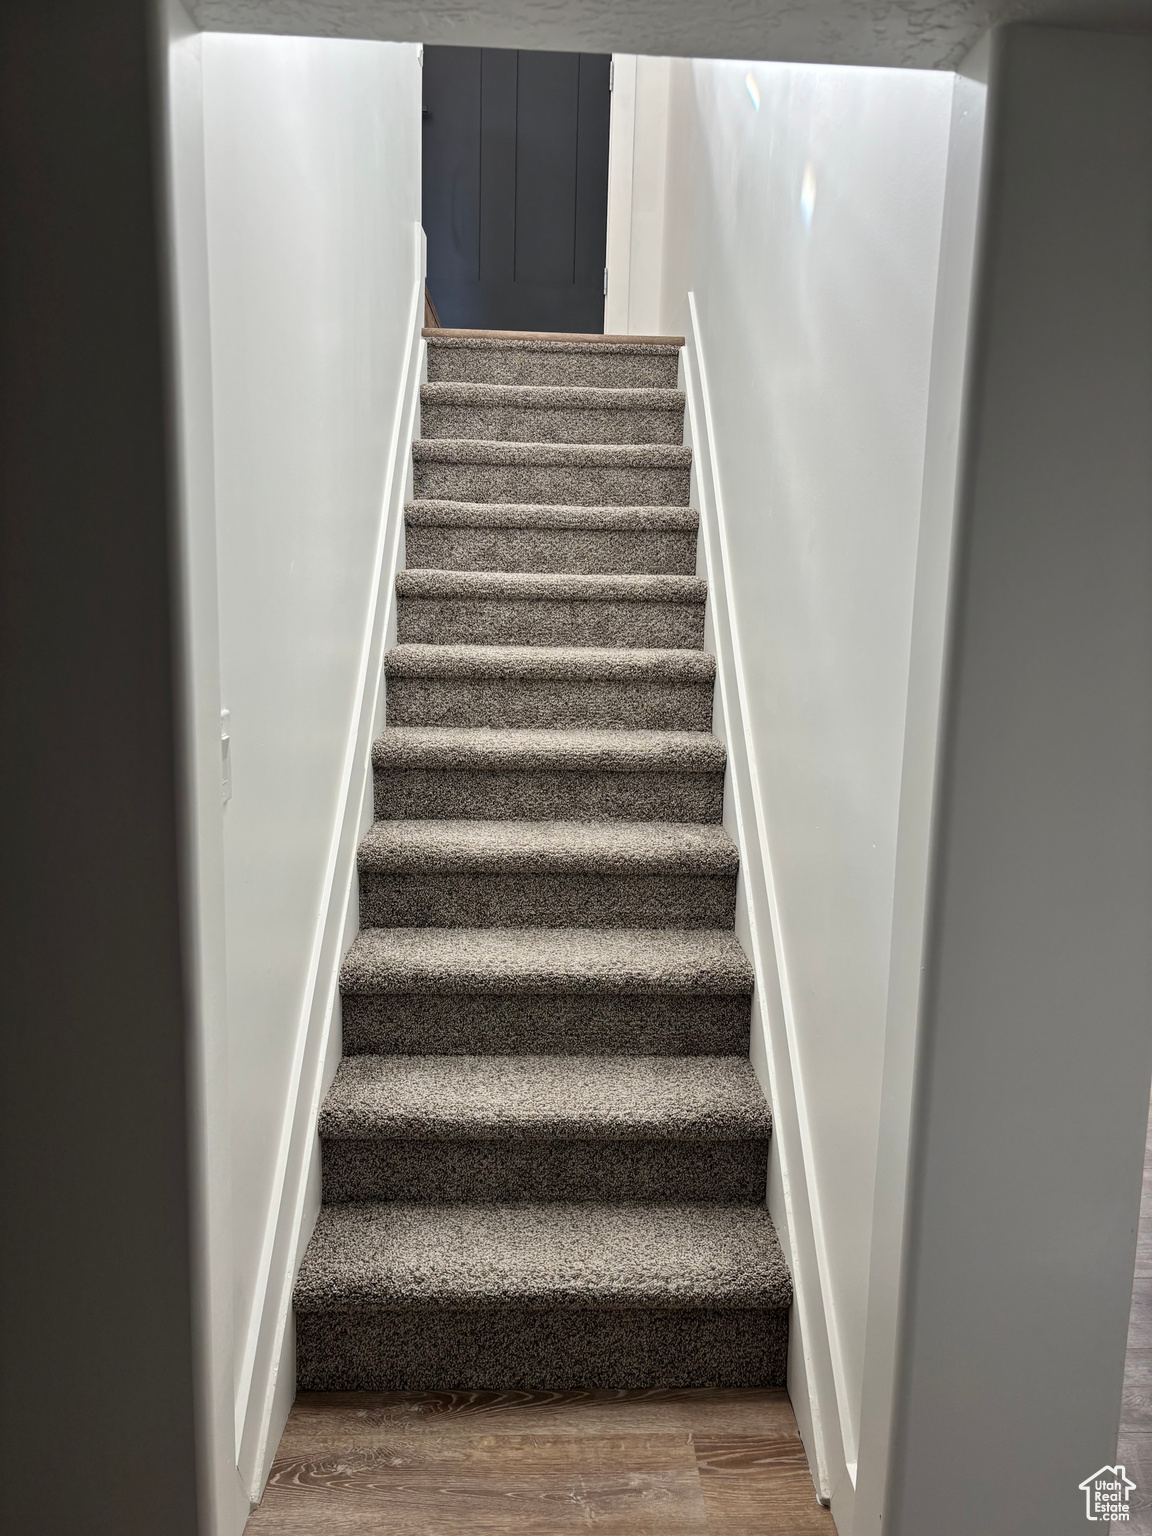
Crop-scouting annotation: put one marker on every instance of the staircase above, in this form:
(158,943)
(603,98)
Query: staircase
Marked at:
(545,1151)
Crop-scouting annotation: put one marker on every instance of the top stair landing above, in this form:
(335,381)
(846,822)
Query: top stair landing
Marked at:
(554,358)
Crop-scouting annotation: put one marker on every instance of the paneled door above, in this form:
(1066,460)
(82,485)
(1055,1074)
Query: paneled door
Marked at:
(516,187)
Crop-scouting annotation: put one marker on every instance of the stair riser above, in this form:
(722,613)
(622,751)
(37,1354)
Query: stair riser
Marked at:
(546,1024)
(593,900)
(555,1169)
(451,365)
(456,794)
(599,702)
(585,552)
(585,485)
(499,621)
(537,1349)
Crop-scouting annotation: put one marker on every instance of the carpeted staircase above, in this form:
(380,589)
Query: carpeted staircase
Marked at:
(545,1151)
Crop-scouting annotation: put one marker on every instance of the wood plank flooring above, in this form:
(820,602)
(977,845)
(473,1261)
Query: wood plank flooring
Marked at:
(1134,1451)
(677,1462)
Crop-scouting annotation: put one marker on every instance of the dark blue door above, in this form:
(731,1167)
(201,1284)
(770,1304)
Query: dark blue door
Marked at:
(516,187)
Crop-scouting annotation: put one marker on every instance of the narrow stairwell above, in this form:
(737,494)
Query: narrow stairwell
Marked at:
(545,1151)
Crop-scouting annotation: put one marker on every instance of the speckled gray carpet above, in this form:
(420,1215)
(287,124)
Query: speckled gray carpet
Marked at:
(544,1155)
(548,775)
(550,608)
(537,685)
(493,536)
(577,474)
(547,414)
(602,364)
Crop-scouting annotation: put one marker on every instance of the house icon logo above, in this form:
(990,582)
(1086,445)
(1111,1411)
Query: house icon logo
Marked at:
(1106,1494)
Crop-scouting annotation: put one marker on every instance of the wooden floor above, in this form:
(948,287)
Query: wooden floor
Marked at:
(1134,1451)
(681,1463)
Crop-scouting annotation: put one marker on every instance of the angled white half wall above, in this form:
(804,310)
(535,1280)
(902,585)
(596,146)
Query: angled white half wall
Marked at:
(315,268)
(790,1199)
(802,211)
(294,171)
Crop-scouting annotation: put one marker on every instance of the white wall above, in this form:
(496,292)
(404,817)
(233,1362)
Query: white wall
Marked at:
(294,167)
(637,176)
(225,1499)
(918,784)
(807,226)
(1029,1107)
(311,255)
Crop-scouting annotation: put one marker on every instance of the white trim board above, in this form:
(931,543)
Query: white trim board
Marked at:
(815,1374)
(267,1378)
(637,185)
(618,246)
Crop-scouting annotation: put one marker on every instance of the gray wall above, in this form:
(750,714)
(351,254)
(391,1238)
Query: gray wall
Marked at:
(1035,1041)
(95,1319)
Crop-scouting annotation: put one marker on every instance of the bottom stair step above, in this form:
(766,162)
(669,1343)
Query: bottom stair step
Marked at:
(516,1348)
(402,1297)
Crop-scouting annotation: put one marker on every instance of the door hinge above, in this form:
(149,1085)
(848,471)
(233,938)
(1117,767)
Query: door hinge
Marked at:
(611,74)
(605,282)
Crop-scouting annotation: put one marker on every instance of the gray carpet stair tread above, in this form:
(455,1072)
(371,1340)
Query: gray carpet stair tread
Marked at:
(511,536)
(486,1098)
(558,586)
(609,362)
(492,749)
(483,514)
(547,847)
(561,662)
(557,961)
(363,1257)
(467,450)
(554,397)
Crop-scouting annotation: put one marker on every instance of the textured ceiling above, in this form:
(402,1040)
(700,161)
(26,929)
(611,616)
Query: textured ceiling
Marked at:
(919,34)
